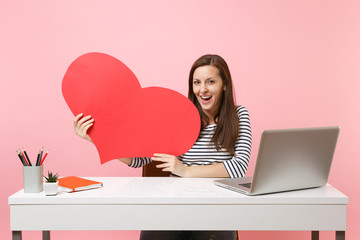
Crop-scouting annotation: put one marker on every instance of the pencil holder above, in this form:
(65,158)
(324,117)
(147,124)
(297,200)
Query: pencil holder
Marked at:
(33,179)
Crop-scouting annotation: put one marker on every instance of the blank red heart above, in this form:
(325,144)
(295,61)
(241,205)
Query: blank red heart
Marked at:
(130,121)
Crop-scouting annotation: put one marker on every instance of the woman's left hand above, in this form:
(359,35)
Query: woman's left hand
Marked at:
(170,163)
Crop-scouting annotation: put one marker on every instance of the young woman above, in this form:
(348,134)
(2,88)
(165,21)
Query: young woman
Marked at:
(223,146)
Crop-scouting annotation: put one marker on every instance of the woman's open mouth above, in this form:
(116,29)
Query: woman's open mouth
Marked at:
(205,99)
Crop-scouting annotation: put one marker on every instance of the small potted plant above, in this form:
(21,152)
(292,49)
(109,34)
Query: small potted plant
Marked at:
(51,184)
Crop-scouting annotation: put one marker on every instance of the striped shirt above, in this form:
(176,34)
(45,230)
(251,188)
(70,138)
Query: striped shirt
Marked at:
(203,152)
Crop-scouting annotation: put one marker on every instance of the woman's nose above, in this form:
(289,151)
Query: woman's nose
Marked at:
(203,88)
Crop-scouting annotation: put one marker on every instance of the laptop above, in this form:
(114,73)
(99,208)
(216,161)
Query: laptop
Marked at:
(289,159)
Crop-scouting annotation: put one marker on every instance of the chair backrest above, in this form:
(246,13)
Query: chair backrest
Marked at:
(150,170)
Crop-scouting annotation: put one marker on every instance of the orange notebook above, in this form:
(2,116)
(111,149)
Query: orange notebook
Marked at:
(73,184)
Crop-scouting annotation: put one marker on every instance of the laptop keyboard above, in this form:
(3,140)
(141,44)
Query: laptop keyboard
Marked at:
(247,185)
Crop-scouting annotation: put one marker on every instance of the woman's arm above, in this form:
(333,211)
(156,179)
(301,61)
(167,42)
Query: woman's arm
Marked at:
(237,166)
(127,161)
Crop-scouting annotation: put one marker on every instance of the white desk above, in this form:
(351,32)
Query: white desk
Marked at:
(190,203)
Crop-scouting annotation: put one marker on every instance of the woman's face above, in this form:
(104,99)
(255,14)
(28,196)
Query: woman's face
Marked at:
(208,88)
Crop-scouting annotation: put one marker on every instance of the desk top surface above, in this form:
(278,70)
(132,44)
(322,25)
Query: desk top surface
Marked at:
(168,190)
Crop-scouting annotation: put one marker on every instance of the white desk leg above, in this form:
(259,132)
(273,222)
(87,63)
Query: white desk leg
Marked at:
(46,235)
(314,235)
(16,235)
(340,235)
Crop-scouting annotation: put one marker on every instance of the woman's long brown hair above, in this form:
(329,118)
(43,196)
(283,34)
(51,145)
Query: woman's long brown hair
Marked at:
(227,129)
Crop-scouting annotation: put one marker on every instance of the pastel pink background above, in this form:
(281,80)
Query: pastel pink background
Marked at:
(294,64)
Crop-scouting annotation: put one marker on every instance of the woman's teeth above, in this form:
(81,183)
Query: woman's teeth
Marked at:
(205,98)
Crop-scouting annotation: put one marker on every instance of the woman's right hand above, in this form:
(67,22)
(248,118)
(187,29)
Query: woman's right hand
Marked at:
(82,124)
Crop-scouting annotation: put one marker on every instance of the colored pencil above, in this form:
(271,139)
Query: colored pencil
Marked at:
(41,154)
(38,159)
(27,157)
(24,158)
(44,158)
(22,161)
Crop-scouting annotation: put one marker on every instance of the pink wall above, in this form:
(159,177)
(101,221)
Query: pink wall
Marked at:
(294,63)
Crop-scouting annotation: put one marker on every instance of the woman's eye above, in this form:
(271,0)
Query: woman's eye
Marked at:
(196,82)
(211,81)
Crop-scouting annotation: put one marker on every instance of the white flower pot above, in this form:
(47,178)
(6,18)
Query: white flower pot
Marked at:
(50,189)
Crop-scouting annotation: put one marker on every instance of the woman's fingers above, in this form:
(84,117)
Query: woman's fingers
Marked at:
(78,122)
(158,159)
(76,119)
(84,119)
(82,125)
(165,167)
(85,124)
(163,157)
(166,162)
(169,162)
(87,127)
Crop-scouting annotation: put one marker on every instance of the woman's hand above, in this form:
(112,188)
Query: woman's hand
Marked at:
(81,126)
(170,163)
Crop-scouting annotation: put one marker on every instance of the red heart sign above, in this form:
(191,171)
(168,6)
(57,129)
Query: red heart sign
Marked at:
(130,121)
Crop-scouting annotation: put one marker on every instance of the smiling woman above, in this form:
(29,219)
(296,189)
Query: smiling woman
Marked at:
(211,90)
(222,148)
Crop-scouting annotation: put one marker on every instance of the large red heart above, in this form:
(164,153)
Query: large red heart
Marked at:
(130,121)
